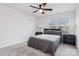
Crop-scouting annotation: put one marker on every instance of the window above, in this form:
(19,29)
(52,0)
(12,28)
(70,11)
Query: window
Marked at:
(59,20)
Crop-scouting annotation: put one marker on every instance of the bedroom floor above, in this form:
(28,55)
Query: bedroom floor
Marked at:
(23,50)
(66,50)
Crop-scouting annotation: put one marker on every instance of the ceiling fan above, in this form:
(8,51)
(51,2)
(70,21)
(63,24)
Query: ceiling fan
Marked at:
(41,8)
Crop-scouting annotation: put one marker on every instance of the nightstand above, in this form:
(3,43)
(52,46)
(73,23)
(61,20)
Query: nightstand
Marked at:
(69,39)
(38,33)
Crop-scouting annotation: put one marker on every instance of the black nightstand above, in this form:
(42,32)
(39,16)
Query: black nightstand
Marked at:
(38,33)
(69,39)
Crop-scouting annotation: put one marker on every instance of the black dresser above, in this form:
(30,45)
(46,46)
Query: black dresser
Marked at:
(69,39)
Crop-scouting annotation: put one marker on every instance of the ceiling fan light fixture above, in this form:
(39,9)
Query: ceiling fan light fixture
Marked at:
(40,10)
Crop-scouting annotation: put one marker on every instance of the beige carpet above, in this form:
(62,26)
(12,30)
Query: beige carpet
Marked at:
(66,50)
(23,50)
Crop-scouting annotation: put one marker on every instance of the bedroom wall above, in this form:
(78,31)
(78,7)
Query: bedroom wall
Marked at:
(44,21)
(77,26)
(15,27)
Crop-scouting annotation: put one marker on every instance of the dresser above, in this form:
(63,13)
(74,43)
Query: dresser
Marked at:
(69,39)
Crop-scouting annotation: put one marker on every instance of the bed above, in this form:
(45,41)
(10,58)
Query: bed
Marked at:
(47,42)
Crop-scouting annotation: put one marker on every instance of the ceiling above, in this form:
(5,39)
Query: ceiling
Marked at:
(57,7)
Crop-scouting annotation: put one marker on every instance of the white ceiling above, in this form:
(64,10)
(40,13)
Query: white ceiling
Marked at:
(57,7)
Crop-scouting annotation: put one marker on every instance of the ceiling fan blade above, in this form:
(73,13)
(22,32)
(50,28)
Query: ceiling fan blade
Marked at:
(40,6)
(35,11)
(34,7)
(47,9)
(44,4)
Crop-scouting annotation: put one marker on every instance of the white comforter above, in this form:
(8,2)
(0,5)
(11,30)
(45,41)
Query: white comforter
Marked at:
(49,37)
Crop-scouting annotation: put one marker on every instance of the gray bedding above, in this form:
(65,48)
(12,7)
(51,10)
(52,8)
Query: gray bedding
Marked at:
(46,46)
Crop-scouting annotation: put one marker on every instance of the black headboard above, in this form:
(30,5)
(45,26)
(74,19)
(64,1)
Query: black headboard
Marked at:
(53,31)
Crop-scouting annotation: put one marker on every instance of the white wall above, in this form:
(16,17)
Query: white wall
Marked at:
(77,26)
(43,21)
(15,27)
